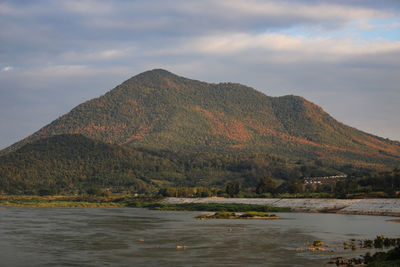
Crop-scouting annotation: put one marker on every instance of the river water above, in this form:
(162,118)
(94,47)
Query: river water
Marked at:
(141,237)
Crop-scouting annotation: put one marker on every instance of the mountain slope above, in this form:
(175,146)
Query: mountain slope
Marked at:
(160,110)
(71,164)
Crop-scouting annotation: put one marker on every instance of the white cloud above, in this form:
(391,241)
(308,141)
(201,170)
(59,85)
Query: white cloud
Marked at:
(367,25)
(47,74)
(211,15)
(287,12)
(299,9)
(300,47)
(106,54)
(7,68)
(89,7)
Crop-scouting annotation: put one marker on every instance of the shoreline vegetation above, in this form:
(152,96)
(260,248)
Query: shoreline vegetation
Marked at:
(60,201)
(384,207)
(388,258)
(381,251)
(133,202)
(254,215)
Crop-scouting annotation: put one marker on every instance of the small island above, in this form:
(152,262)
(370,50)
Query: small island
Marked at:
(234,215)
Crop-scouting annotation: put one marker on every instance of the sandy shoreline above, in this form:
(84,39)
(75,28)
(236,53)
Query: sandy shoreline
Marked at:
(388,207)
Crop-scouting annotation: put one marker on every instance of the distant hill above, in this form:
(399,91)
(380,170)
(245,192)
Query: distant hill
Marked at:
(160,110)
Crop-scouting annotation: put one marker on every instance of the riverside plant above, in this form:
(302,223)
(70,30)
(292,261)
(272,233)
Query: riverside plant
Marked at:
(233,215)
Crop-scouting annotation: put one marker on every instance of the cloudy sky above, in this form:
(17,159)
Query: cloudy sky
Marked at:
(342,55)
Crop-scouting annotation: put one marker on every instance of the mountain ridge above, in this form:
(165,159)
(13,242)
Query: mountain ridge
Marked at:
(160,110)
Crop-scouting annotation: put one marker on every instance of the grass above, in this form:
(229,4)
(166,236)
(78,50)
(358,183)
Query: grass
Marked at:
(126,201)
(257,214)
(66,201)
(223,215)
(234,215)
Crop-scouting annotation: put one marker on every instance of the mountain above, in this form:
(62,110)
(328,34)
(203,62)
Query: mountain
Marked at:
(160,110)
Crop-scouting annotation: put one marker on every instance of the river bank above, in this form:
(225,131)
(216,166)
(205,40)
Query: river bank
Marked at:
(387,207)
(61,201)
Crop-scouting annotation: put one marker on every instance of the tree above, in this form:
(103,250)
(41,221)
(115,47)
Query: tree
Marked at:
(295,186)
(95,191)
(342,188)
(266,185)
(232,189)
(46,191)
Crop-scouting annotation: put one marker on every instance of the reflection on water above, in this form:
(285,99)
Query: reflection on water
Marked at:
(140,237)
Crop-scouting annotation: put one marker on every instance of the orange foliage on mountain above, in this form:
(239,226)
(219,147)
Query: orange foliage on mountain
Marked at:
(141,133)
(171,84)
(227,127)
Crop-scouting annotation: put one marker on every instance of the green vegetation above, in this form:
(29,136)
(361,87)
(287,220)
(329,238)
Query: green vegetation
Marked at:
(390,258)
(62,201)
(229,207)
(74,164)
(134,202)
(257,214)
(233,215)
(85,200)
(266,185)
(220,215)
(232,189)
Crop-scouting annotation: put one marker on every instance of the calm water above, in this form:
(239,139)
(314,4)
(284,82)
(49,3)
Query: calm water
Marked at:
(140,237)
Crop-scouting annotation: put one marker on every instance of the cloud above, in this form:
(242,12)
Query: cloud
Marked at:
(101,55)
(368,26)
(7,68)
(300,10)
(14,10)
(89,7)
(70,51)
(286,48)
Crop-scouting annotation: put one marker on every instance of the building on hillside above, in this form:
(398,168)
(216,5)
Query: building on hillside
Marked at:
(323,180)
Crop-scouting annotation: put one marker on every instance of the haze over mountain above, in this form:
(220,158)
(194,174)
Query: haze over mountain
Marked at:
(160,110)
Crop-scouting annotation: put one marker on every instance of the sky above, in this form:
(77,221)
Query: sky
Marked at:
(342,55)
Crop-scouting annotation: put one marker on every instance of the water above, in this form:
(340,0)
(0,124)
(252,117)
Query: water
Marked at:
(140,237)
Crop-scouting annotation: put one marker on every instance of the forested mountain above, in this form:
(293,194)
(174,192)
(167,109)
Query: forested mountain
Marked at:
(73,164)
(159,110)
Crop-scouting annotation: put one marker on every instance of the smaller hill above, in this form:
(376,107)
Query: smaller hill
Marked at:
(70,163)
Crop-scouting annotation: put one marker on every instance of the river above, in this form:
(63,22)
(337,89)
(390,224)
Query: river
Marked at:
(141,237)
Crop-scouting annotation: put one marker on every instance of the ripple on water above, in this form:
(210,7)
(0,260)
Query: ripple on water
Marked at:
(140,237)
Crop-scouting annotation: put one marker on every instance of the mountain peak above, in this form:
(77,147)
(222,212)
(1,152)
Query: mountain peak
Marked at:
(155,73)
(152,78)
